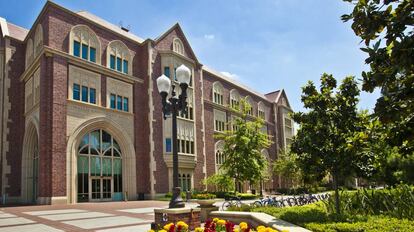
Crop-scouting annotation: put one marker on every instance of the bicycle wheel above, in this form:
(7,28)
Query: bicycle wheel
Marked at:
(257,204)
(225,205)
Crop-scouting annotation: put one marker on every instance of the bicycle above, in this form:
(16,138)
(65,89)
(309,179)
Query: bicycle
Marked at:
(263,202)
(231,202)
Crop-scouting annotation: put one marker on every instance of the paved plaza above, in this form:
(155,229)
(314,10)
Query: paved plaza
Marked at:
(112,216)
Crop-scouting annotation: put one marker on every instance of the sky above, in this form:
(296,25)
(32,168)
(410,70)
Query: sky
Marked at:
(264,44)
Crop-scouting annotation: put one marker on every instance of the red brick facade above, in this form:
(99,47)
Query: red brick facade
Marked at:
(148,141)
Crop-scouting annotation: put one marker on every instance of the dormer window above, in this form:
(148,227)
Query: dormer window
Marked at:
(218,93)
(119,57)
(85,44)
(178,46)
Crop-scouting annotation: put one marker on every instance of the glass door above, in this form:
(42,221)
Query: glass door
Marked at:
(96,189)
(106,189)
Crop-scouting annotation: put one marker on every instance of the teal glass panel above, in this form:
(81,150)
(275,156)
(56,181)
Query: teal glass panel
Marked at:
(92,95)
(83,164)
(119,64)
(85,51)
(84,141)
(116,146)
(112,62)
(112,103)
(167,71)
(84,94)
(76,48)
(92,54)
(95,166)
(95,142)
(118,102)
(106,141)
(117,196)
(125,66)
(106,166)
(76,92)
(117,166)
(126,105)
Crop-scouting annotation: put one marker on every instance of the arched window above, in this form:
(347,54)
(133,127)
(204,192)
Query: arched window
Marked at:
(38,40)
(261,111)
(218,93)
(250,104)
(178,46)
(118,57)
(220,157)
(85,44)
(99,163)
(234,99)
(29,52)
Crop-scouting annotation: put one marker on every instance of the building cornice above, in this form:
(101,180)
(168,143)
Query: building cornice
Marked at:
(172,53)
(48,51)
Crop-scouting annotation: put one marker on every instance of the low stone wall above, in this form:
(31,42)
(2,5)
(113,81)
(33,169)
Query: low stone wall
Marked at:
(257,219)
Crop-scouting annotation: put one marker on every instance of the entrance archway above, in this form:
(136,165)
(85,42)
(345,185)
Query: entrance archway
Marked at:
(30,163)
(101,163)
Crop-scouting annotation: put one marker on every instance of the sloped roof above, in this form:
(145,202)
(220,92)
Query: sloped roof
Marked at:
(12,30)
(273,96)
(110,26)
(228,79)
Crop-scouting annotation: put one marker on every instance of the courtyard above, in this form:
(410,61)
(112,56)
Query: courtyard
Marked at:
(104,216)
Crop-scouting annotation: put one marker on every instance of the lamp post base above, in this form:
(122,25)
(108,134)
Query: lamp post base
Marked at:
(176,199)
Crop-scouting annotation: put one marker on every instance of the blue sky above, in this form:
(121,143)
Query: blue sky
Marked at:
(265,44)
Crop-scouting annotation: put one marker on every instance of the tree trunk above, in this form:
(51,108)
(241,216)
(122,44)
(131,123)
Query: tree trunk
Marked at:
(335,185)
(235,186)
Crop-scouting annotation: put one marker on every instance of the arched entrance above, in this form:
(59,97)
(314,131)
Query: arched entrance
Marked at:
(30,163)
(99,167)
(101,162)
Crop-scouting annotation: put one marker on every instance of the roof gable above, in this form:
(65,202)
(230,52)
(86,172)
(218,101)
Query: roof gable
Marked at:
(166,39)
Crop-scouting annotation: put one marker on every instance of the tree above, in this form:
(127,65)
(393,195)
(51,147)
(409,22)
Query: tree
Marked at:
(287,166)
(221,182)
(387,29)
(323,140)
(242,146)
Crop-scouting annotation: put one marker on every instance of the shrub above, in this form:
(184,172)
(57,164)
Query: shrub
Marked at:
(246,196)
(169,195)
(372,224)
(396,202)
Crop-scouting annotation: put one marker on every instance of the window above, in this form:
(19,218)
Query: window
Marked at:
(119,64)
(218,93)
(93,54)
(185,146)
(250,104)
(38,40)
(76,48)
(219,120)
(219,155)
(189,114)
(92,95)
(84,94)
(112,99)
(112,62)
(84,43)
(261,111)
(184,181)
(168,145)
(178,46)
(234,99)
(119,102)
(126,104)
(76,92)
(167,71)
(119,57)
(29,53)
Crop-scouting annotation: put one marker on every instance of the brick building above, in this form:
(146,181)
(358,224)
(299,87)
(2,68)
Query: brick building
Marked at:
(81,115)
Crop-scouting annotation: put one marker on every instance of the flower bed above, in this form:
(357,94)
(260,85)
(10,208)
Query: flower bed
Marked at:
(215,225)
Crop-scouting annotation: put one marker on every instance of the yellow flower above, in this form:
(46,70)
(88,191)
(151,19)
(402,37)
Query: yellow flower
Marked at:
(221,222)
(260,229)
(199,229)
(285,230)
(215,220)
(162,231)
(167,227)
(151,231)
(183,225)
(235,230)
(243,226)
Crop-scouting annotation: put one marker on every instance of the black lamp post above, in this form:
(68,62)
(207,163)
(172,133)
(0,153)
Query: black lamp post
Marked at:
(173,106)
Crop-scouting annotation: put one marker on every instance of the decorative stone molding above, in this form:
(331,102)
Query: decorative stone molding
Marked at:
(85,35)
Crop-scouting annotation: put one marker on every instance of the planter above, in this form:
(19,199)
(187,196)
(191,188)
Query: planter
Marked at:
(207,203)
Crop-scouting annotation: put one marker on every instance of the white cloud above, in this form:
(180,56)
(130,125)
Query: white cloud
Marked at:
(230,75)
(209,36)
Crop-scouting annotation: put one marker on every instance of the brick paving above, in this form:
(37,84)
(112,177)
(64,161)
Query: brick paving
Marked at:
(103,216)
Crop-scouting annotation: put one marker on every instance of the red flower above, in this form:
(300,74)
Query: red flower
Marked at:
(172,228)
(229,226)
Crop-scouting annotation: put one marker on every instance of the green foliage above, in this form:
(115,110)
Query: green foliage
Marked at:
(302,190)
(246,196)
(242,147)
(323,141)
(395,202)
(370,224)
(220,182)
(287,166)
(387,29)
